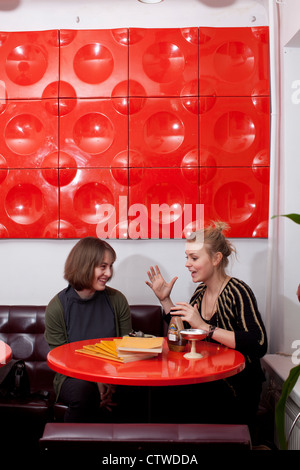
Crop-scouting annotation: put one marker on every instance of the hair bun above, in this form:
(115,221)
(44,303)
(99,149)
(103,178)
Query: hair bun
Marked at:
(221,226)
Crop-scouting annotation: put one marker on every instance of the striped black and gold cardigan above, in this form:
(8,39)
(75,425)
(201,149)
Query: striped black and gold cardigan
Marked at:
(237,311)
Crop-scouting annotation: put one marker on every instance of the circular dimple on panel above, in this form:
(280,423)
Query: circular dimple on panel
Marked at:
(260,104)
(3,162)
(235,202)
(88,199)
(234,132)
(207,159)
(206,88)
(119,168)
(66,229)
(66,36)
(190,159)
(135,88)
(234,61)
(120,36)
(120,175)
(51,160)
(120,160)
(121,89)
(190,175)
(53,38)
(206,103)
(190,89)
(49,168)
(206,35)
(121,105)
(3,96)
(3,38)
(163,132)
(26,64)
(136,104)
(136,35)
(52,106)
(136,159)
(51,90)
(51,229)
(66,90)
(169,198)
(261,34)
(136,176)
(261,230)
(67,101)
(3,174)
(261,174)
(190,35)
(50,175)
(93,133)
(3,231)
(207,174)
(24,134)
(24,204)
(190,104)
(261,158)
(66,176)
(66,106)
(163,62)
(93,63)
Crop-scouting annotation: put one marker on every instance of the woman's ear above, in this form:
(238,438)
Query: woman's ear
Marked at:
(217,258)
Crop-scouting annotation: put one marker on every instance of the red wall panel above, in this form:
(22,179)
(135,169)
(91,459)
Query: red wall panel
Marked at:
(96,123)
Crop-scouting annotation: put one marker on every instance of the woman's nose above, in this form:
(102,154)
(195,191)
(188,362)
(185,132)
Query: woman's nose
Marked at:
(108,271)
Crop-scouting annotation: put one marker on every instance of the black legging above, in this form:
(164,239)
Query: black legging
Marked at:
(82,399)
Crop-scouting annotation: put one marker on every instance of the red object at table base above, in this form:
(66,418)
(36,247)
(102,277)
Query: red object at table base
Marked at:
(5,353)
(168,368)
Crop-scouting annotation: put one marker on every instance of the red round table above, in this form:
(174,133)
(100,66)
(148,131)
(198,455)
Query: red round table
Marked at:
(5,353)
(168,368)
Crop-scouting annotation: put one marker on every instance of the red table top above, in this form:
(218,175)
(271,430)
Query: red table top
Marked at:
(5,353)
(168,368)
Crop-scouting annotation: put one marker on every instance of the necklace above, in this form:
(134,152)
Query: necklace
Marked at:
(208,317)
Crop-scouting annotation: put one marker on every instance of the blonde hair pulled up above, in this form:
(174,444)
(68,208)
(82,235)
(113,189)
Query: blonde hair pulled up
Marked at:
(215,241)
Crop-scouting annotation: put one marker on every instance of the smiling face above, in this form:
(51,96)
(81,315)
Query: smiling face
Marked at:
(103,273)
(201,265)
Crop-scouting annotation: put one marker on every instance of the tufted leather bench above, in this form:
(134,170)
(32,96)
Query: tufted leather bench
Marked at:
(22,327)
(128,438)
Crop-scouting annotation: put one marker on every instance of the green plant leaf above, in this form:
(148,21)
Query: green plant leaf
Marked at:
(294,217)
(287,387)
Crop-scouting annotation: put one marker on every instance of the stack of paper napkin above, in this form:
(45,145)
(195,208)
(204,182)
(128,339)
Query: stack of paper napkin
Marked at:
(127,349)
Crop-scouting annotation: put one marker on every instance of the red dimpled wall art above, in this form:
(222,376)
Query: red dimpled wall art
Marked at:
(134,132)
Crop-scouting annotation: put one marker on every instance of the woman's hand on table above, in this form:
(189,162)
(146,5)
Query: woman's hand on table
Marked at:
(106,393)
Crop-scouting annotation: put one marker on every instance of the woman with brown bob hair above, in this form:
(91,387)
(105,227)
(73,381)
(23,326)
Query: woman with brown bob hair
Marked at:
(86,309)
(226,308)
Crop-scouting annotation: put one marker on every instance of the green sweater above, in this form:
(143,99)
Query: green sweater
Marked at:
(55,327)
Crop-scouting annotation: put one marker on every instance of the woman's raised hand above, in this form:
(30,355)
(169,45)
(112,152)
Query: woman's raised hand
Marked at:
(160,287)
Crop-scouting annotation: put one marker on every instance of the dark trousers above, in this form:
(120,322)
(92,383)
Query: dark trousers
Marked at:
(83,401)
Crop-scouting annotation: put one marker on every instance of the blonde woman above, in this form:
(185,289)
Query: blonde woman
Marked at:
(226,308)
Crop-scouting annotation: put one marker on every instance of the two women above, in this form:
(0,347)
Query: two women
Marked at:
(223,306)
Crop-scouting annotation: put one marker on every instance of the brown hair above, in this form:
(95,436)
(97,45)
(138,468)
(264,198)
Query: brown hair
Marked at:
(215,241)
(84,257)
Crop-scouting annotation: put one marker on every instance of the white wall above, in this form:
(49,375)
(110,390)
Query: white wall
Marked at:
(285,325)
(32,270)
